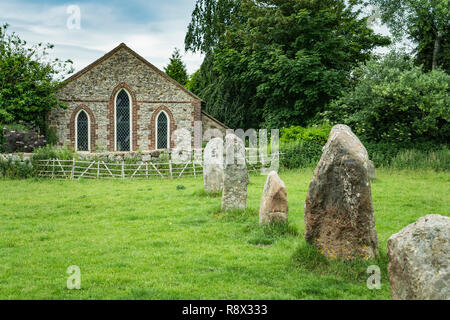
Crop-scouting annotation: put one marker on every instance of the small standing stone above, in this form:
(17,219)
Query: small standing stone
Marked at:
(213,165)
(419,260)
(235,178)
(274,204)
(338,210)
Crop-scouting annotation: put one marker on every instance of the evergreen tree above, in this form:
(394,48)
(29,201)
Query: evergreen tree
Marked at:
(176,69)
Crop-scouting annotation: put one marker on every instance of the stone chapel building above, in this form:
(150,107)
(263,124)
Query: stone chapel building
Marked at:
(122,102)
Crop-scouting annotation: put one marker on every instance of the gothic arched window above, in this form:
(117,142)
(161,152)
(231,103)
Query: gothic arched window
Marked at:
(123,121)
(82,129)
(162,131)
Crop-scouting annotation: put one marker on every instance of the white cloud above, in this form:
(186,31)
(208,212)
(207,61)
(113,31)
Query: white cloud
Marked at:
(102,28)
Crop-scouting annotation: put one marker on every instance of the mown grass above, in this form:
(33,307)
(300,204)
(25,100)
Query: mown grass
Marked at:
(168,239)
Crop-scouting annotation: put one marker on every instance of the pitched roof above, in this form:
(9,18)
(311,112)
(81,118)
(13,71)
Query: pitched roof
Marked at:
(215,120)
(124,46)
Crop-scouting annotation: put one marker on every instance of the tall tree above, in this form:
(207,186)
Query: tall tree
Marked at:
(28,79)
(425,22)
(282,61)
(176,69)
(209,21)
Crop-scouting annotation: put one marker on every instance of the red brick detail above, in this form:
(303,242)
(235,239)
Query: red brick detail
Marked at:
(94,126)
(196,115)
(152,127)
(134,117)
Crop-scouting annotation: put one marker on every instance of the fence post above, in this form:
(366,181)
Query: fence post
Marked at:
(72,172)
(98,169)
(123,170)
(53,168)
(193,166)
(170,168)
(146,170)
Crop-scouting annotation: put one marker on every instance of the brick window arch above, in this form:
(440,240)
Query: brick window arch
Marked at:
(134,114)
(154,126)
(93,126)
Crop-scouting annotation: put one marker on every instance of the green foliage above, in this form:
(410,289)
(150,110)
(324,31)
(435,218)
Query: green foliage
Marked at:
(281,62)
(394,101)
(416,159)
(208,23)
(318,133)
(51,136)
(300,154)
(176,69)
(424,23)
(52,152)
(28,79)
(16,169)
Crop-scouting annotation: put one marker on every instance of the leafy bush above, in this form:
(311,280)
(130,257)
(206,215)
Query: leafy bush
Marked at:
(300,154)
(415,159)
(51,152)
(394,101)
(18,138)
(16,169)
(314,133)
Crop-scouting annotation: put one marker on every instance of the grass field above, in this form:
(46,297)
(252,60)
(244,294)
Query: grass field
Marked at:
(152,240)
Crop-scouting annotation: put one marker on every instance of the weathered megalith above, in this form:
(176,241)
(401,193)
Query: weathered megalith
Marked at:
(235,178)
(371,170)
(419,260)
(274,204)
(213,165)
(338,210)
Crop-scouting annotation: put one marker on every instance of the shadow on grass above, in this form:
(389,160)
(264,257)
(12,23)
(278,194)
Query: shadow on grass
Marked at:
(201,193)
(310,259)
(268,234)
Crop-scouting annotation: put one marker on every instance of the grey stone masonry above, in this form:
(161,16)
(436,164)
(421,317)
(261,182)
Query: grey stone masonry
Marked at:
(151,91)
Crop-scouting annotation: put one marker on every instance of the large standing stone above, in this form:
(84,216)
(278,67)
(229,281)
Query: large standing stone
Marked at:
(213,165)
(371,170)
(419,260)
(274,204)
(338,210)
(235,178)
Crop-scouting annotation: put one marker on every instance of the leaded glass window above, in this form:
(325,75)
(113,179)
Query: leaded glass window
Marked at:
(82,131)
(122,121)
(163,130)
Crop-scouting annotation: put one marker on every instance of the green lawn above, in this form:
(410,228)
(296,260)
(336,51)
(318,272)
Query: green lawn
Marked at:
(152,240)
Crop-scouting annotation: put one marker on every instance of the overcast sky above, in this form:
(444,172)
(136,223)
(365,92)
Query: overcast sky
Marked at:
(153,28)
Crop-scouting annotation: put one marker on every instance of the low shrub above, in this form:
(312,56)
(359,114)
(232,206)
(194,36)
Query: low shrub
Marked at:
(52,152)
(317,134)
(300,154)
(416,159)
(16,169)
(19,138)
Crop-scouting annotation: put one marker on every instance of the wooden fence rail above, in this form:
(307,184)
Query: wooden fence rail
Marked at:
(98,169)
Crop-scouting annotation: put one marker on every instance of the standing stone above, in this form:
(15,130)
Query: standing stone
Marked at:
(338,210)
(419,260)
(235,178)
(371,170)
(274,204)
(213,165)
